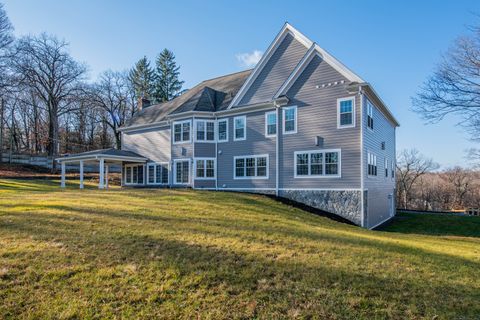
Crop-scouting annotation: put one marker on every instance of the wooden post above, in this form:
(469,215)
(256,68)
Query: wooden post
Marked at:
(62,181)
(101,178)
(81,174)
(106,176)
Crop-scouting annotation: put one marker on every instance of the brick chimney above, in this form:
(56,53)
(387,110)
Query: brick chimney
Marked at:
(143,103)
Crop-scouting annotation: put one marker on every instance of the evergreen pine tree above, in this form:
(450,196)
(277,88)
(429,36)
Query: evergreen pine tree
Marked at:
(167,83)
(142,78)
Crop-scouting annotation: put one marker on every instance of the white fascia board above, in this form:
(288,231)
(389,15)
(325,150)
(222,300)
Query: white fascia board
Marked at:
(384,109)
(337,65)
(144,126)
(286,29)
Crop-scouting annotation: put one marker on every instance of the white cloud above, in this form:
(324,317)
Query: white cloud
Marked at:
(249,59)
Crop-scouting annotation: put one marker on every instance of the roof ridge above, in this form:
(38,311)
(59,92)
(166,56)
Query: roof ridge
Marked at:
(226,75)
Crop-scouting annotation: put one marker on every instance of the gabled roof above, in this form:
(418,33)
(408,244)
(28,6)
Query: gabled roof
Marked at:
(209,95)
(289,29)
(226,92)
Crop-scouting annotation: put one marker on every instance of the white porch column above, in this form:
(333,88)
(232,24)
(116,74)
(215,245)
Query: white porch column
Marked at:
(106,176)
(62,180)
(81,174)
(101,178)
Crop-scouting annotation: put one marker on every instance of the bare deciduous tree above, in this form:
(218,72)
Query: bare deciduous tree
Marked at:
(454,88)
(411,165)
(43,64)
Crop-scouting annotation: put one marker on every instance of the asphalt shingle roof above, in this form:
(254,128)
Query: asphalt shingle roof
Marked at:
(209,95)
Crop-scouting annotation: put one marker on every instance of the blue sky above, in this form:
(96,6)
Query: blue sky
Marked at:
(393,45)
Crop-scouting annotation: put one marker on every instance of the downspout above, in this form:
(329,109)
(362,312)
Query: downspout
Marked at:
(277,160)
(362,200)
(216,153)
(193,130)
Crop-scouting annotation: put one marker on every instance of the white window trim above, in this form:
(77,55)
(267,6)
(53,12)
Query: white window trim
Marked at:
(173,132)
(283,120)
(339,126)
(154,165)
(205,168)
(175,171)
(216,130)
(386,169)
(371,176)
(244,128)
(266,124)
(370,106)
(323,176)
(205,126)
(254,177)
(131,183)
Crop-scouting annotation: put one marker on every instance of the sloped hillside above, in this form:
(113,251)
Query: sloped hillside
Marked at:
(198,254)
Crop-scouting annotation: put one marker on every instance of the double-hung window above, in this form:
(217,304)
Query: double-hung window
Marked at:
(346,112)
(271,124)
(157,173)
(369,115)
(205,130)
(289,120)
(240,128)
(182,171)
(386,168)
(372,164)
(222,127)
(181,131)
(392,165)
(317,163)
(251,167)
(205,168)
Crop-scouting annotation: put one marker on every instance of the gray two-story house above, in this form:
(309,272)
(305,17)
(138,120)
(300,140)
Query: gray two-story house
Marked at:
(300,125)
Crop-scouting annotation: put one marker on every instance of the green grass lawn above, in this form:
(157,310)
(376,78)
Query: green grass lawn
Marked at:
(196,254)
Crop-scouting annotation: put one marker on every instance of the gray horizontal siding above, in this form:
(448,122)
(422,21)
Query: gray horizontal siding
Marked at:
(276,71)
(153,144)
(255,144)
(317,116)
(378,187)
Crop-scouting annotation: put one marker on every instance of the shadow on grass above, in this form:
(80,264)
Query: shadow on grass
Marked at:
(276,285)
(435,224)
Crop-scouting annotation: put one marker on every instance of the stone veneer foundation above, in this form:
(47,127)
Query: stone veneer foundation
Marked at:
(345,203)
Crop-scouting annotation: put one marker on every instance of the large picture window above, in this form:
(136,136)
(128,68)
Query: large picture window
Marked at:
(157,173)
(205,168)
(251,167)
(318,163)
(181,131)
(346,112)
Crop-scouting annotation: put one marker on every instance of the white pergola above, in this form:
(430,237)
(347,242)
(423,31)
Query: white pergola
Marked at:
(104,158)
